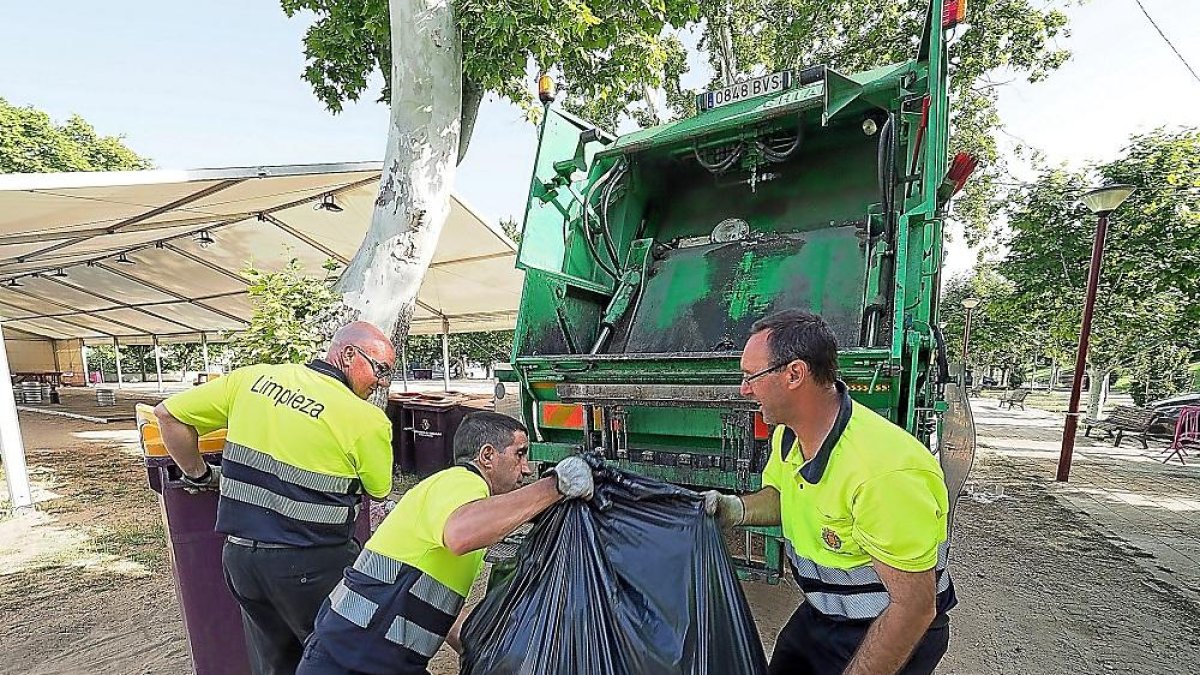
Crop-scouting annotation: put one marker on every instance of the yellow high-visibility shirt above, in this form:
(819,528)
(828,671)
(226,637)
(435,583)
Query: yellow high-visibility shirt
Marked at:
(413,532)
(872,491)
(304,416)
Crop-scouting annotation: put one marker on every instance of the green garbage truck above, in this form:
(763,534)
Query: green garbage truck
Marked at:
(648,257)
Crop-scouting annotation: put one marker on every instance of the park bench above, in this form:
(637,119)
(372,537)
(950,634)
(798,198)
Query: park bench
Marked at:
(1014,397)
(1124,420)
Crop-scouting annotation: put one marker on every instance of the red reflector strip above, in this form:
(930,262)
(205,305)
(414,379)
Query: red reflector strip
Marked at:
(761,430)
(566,416)
(559,416)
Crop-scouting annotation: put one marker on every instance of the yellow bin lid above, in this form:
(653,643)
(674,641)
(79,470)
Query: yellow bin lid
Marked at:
(151,438)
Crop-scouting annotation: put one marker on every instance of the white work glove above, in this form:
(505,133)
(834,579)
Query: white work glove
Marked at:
(729,510)
(211,480)
(574,478)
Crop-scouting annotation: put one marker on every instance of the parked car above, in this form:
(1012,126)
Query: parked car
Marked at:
(1168,410)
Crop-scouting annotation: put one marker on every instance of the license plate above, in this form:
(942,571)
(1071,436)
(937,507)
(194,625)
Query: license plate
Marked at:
(767,84)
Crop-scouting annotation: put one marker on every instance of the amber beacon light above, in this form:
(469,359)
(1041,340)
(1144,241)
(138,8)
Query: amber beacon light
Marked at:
(546,88)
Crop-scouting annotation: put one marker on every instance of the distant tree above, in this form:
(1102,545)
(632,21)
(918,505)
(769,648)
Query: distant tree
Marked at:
(1000,336)
(483,348)
(1148,303)
(102,358)
(512,227)
(1159,373)
(30,142)
(287,303)
(423,350)
(190,355)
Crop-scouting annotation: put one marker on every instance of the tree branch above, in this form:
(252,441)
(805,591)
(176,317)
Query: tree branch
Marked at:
(472,96)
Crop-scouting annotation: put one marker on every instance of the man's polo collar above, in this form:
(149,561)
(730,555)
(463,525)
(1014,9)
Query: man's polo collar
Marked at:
(470,466)
(814,469)
(328,369)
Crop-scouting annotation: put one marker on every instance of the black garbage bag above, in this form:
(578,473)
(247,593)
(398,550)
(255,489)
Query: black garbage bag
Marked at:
(635,582)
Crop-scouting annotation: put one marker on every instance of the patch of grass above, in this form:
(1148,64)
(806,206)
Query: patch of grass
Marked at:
(1055,402)
(60,506)
(1122,384)
(403,482)
(140,542)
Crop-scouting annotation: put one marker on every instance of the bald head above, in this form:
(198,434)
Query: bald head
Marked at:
(364,354)
(359,334)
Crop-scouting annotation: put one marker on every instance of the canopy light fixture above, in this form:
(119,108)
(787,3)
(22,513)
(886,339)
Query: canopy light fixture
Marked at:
(124,260)
(204,239)
(327,203)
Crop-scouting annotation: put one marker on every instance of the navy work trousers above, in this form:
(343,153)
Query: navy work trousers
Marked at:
(280,591)
(813,644)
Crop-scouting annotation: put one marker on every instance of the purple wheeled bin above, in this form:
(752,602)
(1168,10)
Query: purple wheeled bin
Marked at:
(211,617)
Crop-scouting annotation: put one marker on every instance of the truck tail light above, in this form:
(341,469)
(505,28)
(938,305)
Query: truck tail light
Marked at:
(954,12)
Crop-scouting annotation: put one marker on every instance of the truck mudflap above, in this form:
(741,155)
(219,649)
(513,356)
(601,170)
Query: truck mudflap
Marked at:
(956,445)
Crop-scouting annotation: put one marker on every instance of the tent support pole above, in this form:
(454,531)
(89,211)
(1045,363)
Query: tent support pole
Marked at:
(117,349)
(11,446)
(446,353)
(157,363)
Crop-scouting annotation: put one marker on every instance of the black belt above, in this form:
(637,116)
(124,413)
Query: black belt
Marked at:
(250,543)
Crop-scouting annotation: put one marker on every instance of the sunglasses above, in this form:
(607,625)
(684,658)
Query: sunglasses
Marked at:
(381,370)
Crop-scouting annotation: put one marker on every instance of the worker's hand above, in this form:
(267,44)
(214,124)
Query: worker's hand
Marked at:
(729,510)
(575,478)
(210,480)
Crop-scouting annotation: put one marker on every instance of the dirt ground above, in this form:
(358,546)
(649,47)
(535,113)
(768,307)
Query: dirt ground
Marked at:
(87,589)
(85,585)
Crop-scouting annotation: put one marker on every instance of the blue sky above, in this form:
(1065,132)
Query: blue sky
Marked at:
(217,83)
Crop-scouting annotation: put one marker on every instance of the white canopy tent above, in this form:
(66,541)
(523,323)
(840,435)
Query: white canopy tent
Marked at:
(136,254)
(142,257)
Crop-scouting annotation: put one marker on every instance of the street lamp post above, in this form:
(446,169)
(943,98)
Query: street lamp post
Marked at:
(968,304)
(1101,201)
